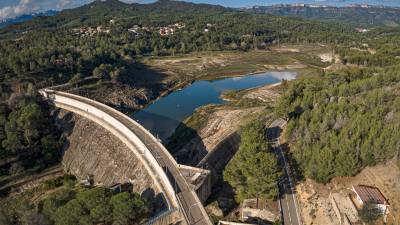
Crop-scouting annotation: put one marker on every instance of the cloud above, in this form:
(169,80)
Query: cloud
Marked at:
(64,3)
(24,6)
(34,6)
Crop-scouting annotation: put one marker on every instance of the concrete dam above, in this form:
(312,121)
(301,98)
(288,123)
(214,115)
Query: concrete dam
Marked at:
(184,188)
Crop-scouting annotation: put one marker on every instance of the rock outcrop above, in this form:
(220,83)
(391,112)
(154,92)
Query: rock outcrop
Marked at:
(91,150)
(219,129)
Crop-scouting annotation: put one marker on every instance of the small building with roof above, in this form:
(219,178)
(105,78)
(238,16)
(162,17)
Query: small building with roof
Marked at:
(368,194)
(256,210)
(233,223)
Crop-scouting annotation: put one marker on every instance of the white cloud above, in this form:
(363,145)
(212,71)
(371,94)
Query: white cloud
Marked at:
(25,2)
(24,6)
(34,6)
(64,3)
(12,11)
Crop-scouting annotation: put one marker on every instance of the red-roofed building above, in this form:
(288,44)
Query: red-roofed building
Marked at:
(367,194)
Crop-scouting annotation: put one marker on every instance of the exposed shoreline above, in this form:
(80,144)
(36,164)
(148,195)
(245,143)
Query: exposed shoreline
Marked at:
(188,83)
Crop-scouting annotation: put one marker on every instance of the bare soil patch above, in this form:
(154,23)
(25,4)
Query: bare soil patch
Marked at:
(317,208)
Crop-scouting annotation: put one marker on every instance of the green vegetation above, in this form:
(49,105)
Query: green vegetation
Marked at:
(48,51)
(343,121)
(93,206)
(253,172)
(355,16)
(188,129)
(339,122)
(28,133)
(64,203)
(369,213)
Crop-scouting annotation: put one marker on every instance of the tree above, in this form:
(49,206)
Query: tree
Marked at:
(49,205)
(103,72)
(128,208)
(369,213)
(253,172)
(78,77)
(50,145)
(70,213)
(94,197)
(23,127)
(29,120)
(341,122)
(102,213)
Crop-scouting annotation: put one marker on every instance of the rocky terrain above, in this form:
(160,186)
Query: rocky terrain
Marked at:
(222,123)
(90,150)
(316,199)
(217,126)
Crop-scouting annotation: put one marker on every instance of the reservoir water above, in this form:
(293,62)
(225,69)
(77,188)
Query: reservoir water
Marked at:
(163,116)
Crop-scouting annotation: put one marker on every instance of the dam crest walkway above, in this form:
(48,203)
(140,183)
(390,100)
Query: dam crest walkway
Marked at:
(183,202)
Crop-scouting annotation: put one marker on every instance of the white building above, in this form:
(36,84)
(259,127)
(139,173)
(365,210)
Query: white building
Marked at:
(232,223)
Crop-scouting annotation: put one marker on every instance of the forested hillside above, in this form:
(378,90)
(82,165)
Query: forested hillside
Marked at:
(343,120)
(355,16)
(54,50)
(63,202)
(340,122)
(253,171)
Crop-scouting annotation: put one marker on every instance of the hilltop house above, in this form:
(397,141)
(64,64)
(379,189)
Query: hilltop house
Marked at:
(367,194)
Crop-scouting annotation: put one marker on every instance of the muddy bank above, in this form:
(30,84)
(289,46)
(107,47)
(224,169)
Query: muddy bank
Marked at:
(211,134)
(221,124)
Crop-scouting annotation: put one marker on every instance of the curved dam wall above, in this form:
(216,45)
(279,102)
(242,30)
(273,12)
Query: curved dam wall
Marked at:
(123,133)
(183,203)
(91,150)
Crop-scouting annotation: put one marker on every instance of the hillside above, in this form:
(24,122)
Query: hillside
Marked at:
(100,45)
(356,16)
(342,112)
(99,12)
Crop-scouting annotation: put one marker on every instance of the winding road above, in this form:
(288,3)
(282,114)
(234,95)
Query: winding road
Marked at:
(288,200)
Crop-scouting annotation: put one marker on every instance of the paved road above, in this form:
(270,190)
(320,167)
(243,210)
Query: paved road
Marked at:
(190,204)
(288,201)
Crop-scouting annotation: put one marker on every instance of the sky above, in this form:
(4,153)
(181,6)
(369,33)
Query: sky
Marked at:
(13,8)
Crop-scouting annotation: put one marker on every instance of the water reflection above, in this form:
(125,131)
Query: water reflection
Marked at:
(165,114)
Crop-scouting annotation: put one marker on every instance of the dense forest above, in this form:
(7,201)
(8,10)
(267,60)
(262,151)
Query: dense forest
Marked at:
(253,172)
(372,16)
(68,203)
(53,50)
(339,122)
(342,121)
(27,133)
(379,48)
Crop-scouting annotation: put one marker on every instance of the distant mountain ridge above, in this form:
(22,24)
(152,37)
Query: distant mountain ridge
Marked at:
(357,15)
(26,17)
(102,11)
